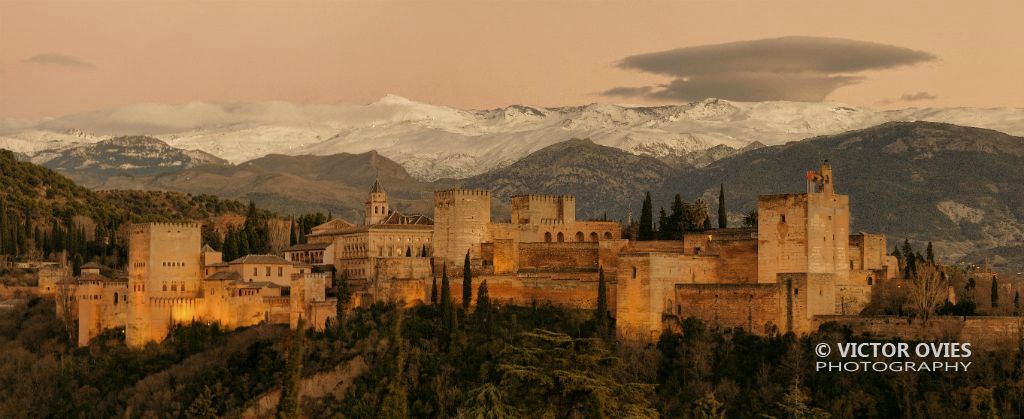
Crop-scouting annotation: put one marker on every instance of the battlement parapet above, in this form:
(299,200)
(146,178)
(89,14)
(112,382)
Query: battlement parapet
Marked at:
(542,198)
(456,193)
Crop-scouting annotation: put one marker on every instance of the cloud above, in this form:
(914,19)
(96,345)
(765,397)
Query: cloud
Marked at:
(59,60)
(790,68)
(910,97)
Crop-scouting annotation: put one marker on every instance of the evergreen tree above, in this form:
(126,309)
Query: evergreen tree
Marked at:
(446,302)
(911,261)
(794,403)
(293,237)
(433,292)
(750,220)
(708,408)
(676,218)
(664,230)
(395,402)
(899,256)
(723,218)
(467,283)
(483,302)
(202,406)
(601,313)
(646,231)
(930,254)
(341,305)
(1016,303)
(995,292)
(289,404)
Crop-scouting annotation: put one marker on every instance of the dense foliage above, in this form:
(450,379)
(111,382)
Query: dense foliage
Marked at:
(498,362)
(44,214)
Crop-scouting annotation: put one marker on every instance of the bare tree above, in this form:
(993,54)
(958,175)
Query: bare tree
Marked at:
(928,290)
(66,304)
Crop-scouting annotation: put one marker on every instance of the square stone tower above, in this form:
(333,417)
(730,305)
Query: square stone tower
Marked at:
(461,221)
(164,270)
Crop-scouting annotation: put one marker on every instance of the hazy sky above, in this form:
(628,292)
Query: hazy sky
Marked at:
(60,57)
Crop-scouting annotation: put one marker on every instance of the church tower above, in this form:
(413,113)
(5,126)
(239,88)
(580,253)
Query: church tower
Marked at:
(377,205)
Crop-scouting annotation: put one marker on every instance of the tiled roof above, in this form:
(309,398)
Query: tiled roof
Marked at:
(224,276)
(308,246)
(91,265)
(376,188)
(261,259)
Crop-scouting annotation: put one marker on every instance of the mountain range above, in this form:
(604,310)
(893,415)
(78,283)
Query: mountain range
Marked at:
(435,142)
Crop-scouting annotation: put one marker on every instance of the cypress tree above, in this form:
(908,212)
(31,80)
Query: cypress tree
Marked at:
(433,292)
(446,301)
(293,239)
(646,231)
(601,313)
(676,217)
(723,219)
(995,292)
(664,230)
(288,406)
(483,301)
(930,254)
(467,283)
(1016,303)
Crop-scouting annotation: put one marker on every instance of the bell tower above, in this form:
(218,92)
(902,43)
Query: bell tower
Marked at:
(377,204)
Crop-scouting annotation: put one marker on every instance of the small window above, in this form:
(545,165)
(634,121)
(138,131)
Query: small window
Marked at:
(796,291)
(782,218)
(174,287)
(115,299)
(268,271)
(870,280)
(255,271)
(280,271)
(634,272)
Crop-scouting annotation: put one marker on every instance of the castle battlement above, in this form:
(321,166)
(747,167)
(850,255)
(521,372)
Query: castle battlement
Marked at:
(456,193)
(535,197)
(183,224)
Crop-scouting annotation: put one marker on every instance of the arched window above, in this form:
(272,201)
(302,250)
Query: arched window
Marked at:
(115,298)
(593,236)
(561,237)
(547,237)
(869,280)
(608,235)
(579,236)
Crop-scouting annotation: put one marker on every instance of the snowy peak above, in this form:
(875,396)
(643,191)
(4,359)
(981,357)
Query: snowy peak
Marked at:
(433,141)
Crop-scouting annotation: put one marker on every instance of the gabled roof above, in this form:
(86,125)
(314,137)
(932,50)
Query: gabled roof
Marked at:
(207,249)
(336,224)
(261,259)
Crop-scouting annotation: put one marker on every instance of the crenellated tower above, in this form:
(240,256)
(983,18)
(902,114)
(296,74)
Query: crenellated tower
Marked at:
(164,269)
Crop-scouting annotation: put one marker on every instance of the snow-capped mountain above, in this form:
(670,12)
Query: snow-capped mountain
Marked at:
(436,141)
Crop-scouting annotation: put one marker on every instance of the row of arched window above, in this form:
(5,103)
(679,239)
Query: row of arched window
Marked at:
(580,237)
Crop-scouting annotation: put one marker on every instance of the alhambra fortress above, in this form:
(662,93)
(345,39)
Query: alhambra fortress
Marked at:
(798,265)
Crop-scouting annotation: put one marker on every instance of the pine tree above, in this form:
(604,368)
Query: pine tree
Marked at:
(289,404)
(646,231)
(911,261)
(433,292)
(601,313)
(930,254)
(995,292)
(202,406)
(723,217)
(467,283)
